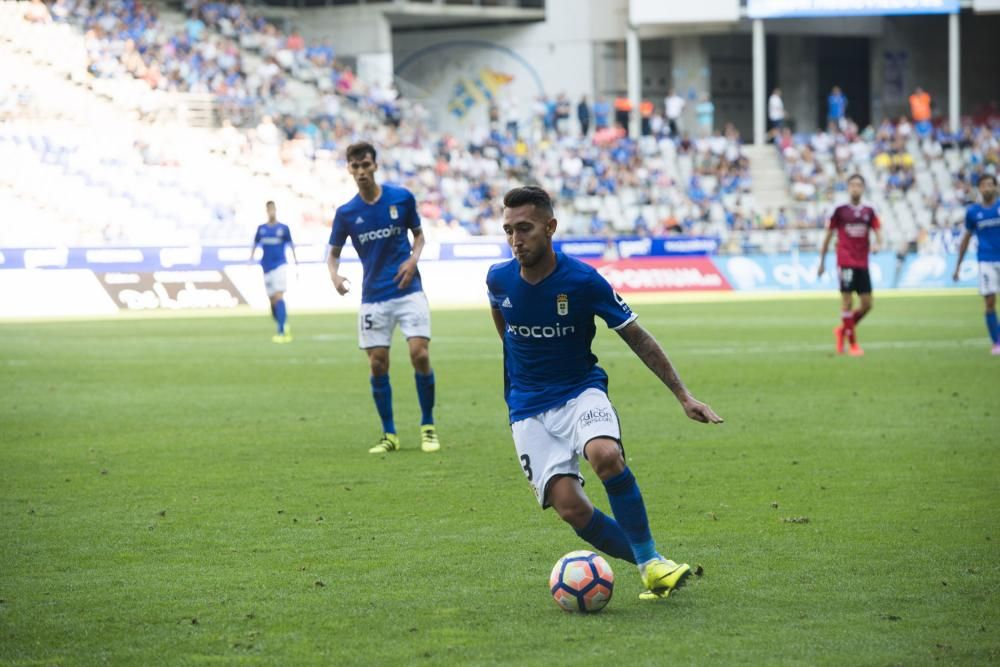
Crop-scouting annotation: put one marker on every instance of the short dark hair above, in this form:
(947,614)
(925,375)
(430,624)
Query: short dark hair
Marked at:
(990,177)
(529,194)
(359,150)
(856,176)
(269,202)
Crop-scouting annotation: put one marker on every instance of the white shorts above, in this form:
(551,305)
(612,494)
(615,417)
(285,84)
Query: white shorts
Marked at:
(276,280)
(989,278)
(551,444)
(377,321)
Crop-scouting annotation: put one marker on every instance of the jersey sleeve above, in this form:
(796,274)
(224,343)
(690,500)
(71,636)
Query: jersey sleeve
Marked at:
(608,304)
(288,235)
(338,235)
(970,220)
(876,221)
(494,300)
(256,237)
(413,218)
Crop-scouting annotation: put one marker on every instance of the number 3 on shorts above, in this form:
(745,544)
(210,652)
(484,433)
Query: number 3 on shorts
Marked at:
(526,464)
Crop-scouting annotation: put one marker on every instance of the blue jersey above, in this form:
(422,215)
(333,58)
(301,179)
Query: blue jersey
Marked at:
(273,239)
(984,222)
(836,106)
(379,234)
(549,329)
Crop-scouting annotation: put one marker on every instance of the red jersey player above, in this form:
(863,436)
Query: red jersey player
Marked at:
(853,223)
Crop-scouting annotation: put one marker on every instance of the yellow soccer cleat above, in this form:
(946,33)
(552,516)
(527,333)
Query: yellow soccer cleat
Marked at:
(429,438)
(279,338)
(288,334)
(661,577)
(388,443)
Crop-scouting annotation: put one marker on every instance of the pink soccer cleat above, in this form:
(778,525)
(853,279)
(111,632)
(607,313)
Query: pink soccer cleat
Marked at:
(838,337)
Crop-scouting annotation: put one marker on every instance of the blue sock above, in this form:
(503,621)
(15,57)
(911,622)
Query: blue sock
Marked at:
(630,512)
(274,313)
(382,393)
(993,326)
(425,395)
(281,315)
(606,535)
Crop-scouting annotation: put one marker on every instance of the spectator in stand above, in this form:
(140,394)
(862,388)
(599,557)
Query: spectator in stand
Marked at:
(920,111)
(602,113)
(562,113)
(583,115)
(775,111)
(673,106)
(836,107)
(623,111)
(705,110)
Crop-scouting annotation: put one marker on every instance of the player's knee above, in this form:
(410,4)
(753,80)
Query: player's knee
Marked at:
(378,365)
(421,357)
(576,513)
(605,457)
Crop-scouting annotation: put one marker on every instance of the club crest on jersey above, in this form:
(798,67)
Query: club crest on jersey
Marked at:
(394,212)
(562,305)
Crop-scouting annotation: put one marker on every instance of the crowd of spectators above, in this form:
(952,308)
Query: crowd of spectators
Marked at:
(936,172)
(665,181)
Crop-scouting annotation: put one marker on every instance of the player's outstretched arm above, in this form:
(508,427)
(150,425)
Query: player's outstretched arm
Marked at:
(962,247)
(648,349)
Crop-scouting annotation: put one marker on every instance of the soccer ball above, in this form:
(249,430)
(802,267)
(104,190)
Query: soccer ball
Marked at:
(582,581)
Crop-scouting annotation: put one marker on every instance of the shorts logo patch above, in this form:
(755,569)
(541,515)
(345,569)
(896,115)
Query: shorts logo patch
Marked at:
(562,305)
(597,416)
(394,213)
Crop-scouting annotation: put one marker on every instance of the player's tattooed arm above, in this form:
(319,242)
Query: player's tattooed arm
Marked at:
(649,350)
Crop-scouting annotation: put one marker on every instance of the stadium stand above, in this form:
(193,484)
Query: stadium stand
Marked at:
(215,106)
(918,185)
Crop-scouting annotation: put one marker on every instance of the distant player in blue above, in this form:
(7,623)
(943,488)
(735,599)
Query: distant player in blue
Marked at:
(836,107)
(544,304)
(983,220)
(272,237)
(377,220)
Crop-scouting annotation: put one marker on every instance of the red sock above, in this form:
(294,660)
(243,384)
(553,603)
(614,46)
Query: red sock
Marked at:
(847,323)
(856,317)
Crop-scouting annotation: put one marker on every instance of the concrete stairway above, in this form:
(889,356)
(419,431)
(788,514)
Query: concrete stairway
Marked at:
(770,184)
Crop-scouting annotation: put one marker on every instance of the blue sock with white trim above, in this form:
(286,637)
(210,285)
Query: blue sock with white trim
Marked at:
(993,326)
(425,396)
(606,535)
(630,512)
(382,393)
(281,315)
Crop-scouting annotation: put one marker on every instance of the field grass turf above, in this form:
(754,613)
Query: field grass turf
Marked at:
(183,491)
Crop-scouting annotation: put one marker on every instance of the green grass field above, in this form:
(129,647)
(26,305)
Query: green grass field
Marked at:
(182,491)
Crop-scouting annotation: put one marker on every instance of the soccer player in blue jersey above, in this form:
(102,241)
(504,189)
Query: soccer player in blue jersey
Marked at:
(272,237)
(543,306)
(377,220)
(983,220)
